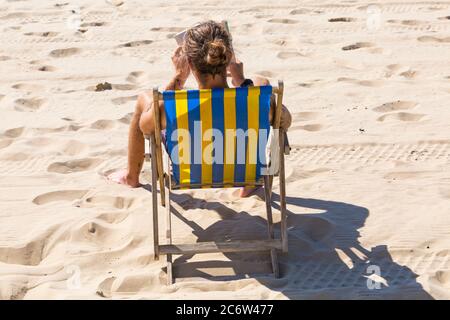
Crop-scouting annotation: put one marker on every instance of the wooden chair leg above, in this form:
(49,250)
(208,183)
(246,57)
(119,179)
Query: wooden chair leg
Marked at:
(154,197)
(169,270)
(170,276)
(284,235)
(161,182)
(270,184)
(268,200)
(158,152)
(275,266)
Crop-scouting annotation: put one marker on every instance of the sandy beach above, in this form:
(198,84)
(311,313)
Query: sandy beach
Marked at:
(368,177)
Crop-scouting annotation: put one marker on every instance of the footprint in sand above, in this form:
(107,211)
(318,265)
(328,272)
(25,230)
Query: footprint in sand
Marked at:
(433,39)
(393,68)
(28,87)
(30,253)
(5,143)
(299,11)
(403,175)
(14,132)
(370,83)
(137,77)
(306,116)
(167,29)
(71,166)
(309,127)
(315,228)
(126,119)
(47,34)
(293,175)
(46,68)
(62,195)
(113,217)
(123,100)
(116,3)
(442,277)
(310,84)
(29,105)
(104,289)
(101,233)
(410,74)
(70,127)
(263,16)
(358,45)
(402,116)
(403,71)
(103,124)
(18,156)
(39,141)
(266,74)
(250,10)
(109,201)
(342,19)
(283,21)
(445,193)
(289,54)
(62,53)
(92,24)
(395,106)
(73,148)
(413,22)
(124,87)
(16,15)
(135,44)
(364,83)
(408,22)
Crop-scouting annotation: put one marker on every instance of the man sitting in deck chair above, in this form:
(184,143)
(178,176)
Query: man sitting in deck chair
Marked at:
(207,52)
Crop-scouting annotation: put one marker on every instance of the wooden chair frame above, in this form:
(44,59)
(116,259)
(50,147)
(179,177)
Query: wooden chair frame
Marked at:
(165,187)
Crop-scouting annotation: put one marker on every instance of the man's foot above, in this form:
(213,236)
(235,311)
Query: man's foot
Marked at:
(122,177)
(247,191)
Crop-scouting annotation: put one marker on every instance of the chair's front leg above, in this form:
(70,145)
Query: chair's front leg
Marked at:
(170,275)
(268,199)
(154,196)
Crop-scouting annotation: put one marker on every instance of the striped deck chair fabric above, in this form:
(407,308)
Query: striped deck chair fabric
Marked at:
(217,137)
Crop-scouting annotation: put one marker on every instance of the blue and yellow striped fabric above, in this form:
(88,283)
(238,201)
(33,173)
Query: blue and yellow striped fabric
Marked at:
(217,137)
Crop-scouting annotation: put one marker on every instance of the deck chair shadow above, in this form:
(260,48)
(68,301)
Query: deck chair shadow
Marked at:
(218,138)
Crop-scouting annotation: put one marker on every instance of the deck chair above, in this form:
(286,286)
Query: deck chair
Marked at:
(195,120)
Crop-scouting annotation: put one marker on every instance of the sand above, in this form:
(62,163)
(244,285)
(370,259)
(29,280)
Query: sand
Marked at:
(368,178)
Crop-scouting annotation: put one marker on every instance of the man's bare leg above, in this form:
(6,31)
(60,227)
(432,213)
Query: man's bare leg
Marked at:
(136,149)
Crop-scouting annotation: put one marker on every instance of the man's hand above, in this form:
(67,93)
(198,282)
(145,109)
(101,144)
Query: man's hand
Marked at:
(181,65)
(236,71)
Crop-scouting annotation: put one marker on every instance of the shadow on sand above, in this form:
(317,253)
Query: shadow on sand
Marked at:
(325,259)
